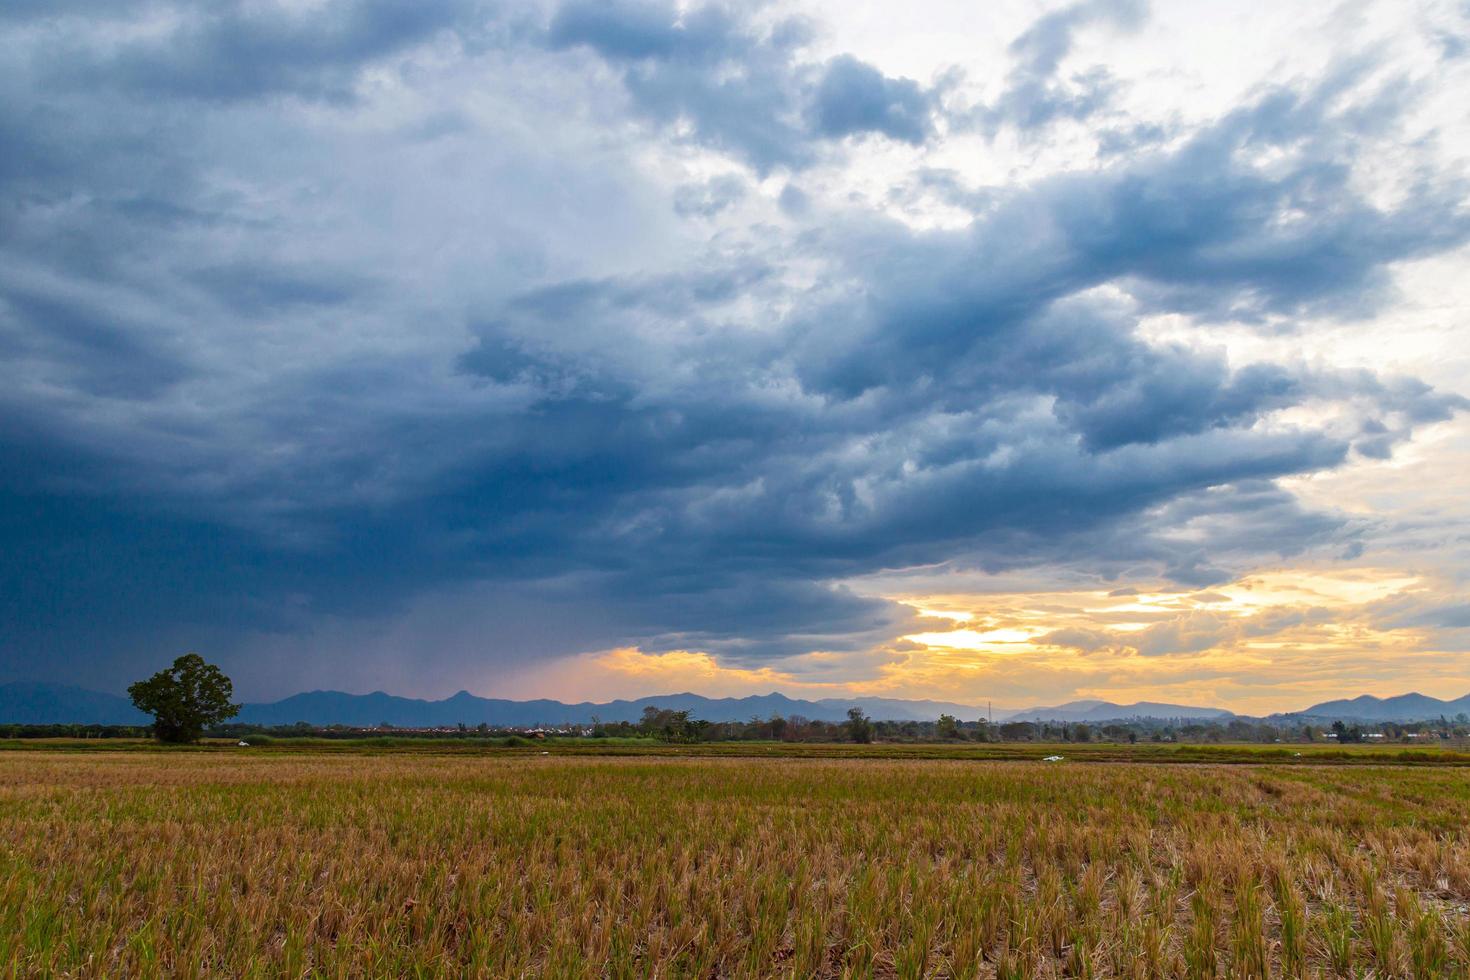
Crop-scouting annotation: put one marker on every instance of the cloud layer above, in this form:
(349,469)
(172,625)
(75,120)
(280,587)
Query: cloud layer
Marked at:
(515,334)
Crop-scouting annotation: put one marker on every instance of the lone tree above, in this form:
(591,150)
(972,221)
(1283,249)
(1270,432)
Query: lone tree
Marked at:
(859,728)
(185,699)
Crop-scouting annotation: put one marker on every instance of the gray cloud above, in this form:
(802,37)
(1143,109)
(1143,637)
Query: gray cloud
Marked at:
(742,85)
(854,98)
(286,353)
(1189,633)
(236,51)
(1034,96)
(710,197)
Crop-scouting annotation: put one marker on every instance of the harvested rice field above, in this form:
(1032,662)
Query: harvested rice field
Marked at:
(304,864)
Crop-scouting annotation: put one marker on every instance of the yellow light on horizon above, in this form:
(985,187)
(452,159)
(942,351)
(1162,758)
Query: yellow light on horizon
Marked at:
(967,639)
(957,616)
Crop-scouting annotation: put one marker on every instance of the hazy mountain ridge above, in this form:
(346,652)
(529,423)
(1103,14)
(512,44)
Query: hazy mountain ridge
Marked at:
(24,702)
(329,707)
(1403,707)
(41,704)
(31,703)
(1101,711)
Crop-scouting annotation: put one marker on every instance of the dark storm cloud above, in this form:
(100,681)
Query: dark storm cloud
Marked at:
(234,51)
(105,358)
(856,98)
(1196,230)
(1203,537)
(741,83)
(273,362)
(24,10)
(265,288)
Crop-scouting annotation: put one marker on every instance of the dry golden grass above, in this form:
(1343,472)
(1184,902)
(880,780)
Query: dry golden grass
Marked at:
(236,865)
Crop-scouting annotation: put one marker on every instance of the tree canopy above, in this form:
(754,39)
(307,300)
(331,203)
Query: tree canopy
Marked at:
(185,699)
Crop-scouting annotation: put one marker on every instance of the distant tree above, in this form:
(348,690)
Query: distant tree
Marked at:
(676,727)
(1239,730)
(947,727)
(666,724)
(1017,731)
(1081,733)
(859,728)
(185,699)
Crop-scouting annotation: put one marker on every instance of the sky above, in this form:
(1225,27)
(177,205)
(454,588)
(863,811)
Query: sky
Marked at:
(1002,352)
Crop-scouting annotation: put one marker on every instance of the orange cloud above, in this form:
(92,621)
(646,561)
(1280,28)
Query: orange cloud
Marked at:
(1271,641)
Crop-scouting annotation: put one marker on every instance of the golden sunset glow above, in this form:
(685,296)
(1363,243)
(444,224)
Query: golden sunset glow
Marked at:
(1271,641)
(992,640)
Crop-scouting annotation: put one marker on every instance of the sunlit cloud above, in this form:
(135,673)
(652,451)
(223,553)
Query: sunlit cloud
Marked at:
(992,640)
(581,349)
(1276,640)
(1261,643)
(628,672)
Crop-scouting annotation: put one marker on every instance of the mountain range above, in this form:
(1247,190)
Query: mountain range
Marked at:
(323,707)
(25,702)
(39,704)
(30,703)
(1404,707)
(1097,711)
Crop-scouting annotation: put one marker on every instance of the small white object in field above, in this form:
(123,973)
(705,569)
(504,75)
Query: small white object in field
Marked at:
(1296,755)
(545,753)
(1052,758)
(243,744)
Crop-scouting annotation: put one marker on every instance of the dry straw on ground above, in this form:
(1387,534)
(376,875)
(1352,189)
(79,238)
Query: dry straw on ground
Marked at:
(239,865)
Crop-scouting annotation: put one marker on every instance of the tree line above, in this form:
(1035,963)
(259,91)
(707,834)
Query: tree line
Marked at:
(677,726)
(191,698)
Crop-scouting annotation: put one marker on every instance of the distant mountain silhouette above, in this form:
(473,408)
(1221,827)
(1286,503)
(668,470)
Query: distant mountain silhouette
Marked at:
(25,702)
(42,704)
(1100,711)
(335,707)
(28,703)
(1404,707)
